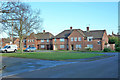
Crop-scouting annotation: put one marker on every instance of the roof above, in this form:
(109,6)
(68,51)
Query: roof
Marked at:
(93,33)
(6,40)
(43,35)
(66,33)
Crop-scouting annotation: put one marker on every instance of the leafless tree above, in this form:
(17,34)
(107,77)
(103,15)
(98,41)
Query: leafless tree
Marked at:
(23,19)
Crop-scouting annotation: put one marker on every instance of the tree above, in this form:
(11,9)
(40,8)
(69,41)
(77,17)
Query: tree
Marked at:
(113,40)
(21,18)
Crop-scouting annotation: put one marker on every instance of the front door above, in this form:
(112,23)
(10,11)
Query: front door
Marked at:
(72,46)
(38,47)
(48,47)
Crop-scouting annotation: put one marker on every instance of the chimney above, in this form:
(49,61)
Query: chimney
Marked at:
(112,33)
(43,30)
(71,27)
(87,28)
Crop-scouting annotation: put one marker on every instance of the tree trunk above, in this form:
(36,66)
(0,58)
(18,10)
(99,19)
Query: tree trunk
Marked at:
(21,45)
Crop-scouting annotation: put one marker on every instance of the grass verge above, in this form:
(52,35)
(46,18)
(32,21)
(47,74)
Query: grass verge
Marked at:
(51,55)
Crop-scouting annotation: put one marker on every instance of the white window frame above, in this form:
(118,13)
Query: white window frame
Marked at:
(61,39)
(47,40)
(55,39)
(62,46)
(42,40)
(75,39)
(72,39)
(99,42)
(88,38)
(78,46)
(42,46)
(79,38)
(90,46)
(28,40)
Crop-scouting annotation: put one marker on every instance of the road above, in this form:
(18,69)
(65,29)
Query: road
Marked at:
(103,68)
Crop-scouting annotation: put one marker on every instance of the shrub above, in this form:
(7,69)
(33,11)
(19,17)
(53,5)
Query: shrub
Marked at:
(107,49)
(89,49)
(117,49)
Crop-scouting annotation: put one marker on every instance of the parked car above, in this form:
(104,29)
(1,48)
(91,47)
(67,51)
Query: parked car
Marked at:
(30,49)
(9,48)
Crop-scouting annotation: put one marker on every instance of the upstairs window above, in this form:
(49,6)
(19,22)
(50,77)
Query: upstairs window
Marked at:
(90,46)
(55,39)
(99,42)
(71,38)
(33,40)
(42,40)
(89,38)
(62,40)
(75,38)
(79,39)
(47,40)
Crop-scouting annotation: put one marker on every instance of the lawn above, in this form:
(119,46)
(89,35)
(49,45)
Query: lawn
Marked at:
(51,55)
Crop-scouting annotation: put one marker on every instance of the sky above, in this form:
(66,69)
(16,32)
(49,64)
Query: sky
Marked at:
(59,16)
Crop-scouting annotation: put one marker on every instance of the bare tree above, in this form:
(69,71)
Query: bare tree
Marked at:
(21,18)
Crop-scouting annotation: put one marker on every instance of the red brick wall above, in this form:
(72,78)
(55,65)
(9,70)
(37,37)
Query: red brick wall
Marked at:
(45,43)
(75,34)
(104,39)
(58,43)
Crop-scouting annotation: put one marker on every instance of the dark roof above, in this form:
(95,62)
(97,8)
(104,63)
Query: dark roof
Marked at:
(44,35)
(6,40)
(93,33)
(66,33)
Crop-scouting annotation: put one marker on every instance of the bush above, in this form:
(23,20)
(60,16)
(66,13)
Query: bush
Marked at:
(107,49)
(117,49)
(89,49)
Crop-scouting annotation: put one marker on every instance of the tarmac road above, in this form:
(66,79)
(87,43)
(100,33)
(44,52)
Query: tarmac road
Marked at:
(103,68)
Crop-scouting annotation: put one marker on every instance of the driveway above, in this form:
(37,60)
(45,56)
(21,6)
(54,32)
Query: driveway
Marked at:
(103,68)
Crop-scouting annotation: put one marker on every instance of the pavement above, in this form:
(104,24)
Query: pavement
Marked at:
(102,68)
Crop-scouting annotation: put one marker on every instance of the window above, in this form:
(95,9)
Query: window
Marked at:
(90,45)
(30,40)
(89,38)
(42,40)
(55,39)
(61,46)
(99,42)
(24,40)
(79,39)
(47,40)
(71,38)
(62,40)
(42,46)
(75,38)
(33,40)
(78,46)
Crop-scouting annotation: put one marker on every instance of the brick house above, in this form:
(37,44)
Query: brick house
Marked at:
(40,40)
(74,39)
